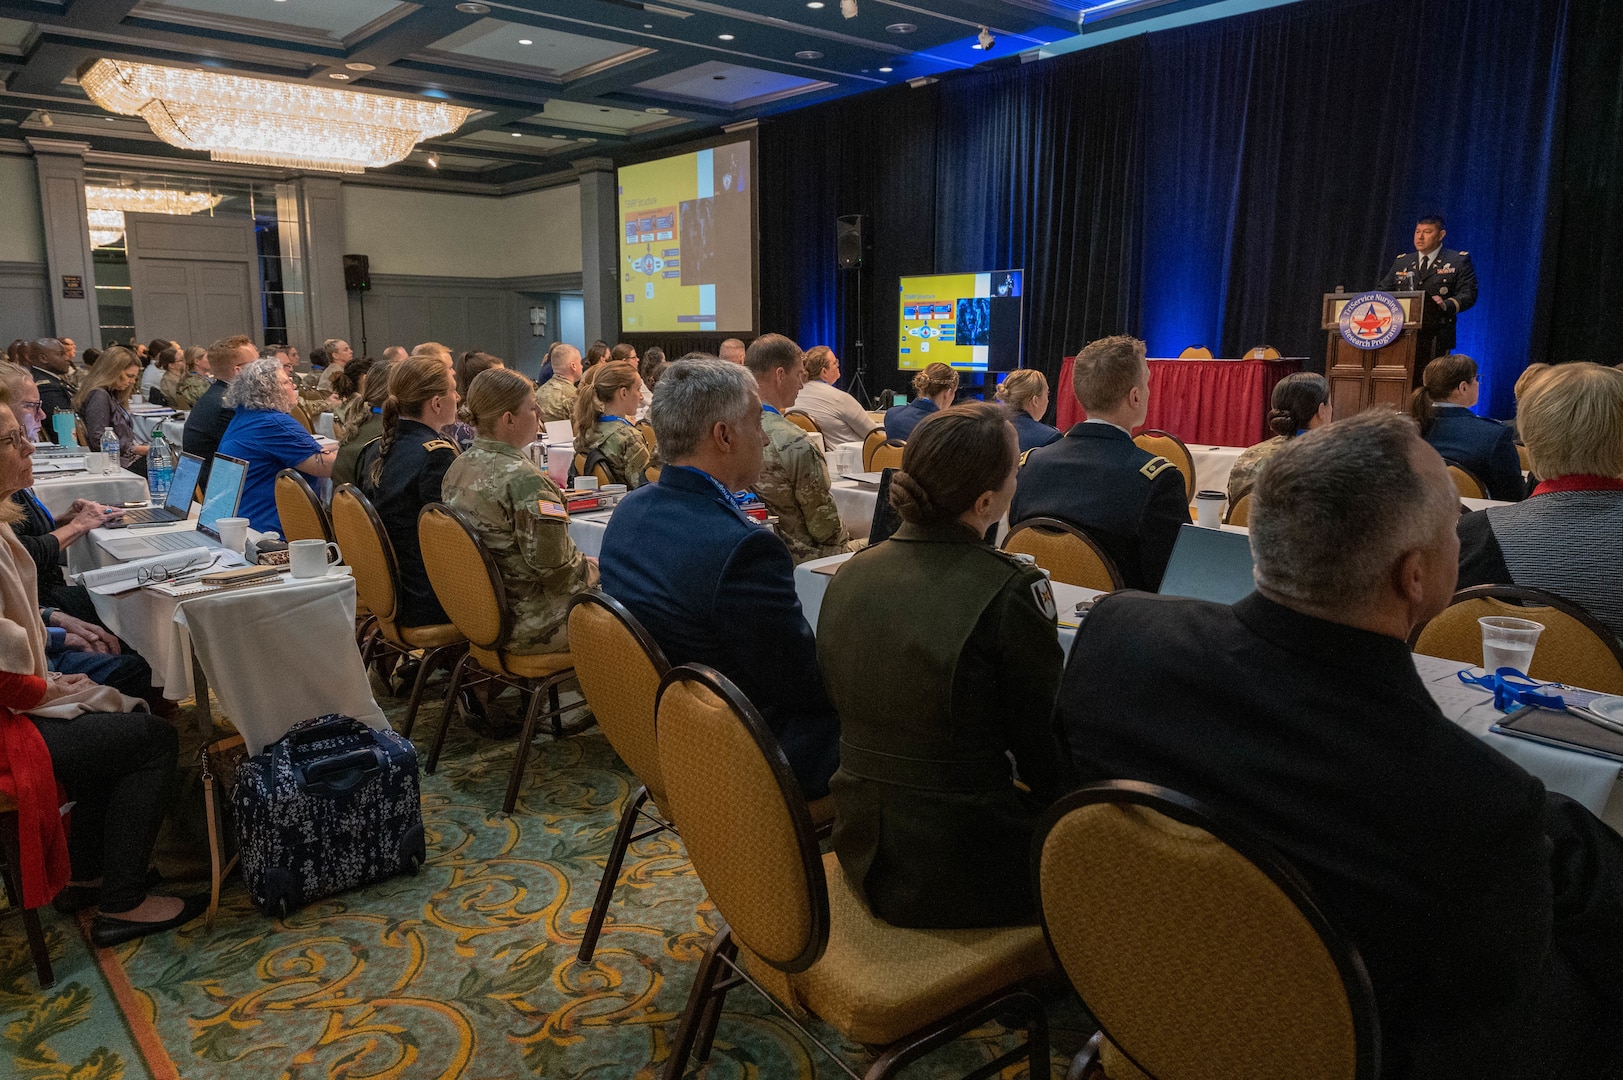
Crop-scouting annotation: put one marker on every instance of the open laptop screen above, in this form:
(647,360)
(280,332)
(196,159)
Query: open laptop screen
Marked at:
(224,490)
(184,484)
(1209,564)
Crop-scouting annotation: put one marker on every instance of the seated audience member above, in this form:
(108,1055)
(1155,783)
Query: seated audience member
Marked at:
(103,402)
(794,477)
(556,396)
(710,584)
(732,351)
(596,353)
(1567,538)
(114,761)
(1130,502)
(838,415)
(182,385)
(519,513)
(1025,392)
(1300,403)
(159,357)
(608,397)
(264,434)
(53,372)
(649,366)
(1485,448)
(935,387)
(624,351)
(210,416)
(436,350)
(1486,911)
(363,419)
(403,470)
(937,694)
(339,354)
(394,353)
(471,364)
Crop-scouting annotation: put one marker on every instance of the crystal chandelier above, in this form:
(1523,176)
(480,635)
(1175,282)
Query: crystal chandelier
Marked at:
(106,207)
(259,122)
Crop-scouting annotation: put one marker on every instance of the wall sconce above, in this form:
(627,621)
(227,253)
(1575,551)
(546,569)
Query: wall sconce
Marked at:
(538,321)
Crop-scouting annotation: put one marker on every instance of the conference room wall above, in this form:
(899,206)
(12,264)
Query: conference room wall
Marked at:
(439,234)
(25,304)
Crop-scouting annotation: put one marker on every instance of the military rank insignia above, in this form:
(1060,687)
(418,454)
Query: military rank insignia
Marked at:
(1156,466)
(1043,592)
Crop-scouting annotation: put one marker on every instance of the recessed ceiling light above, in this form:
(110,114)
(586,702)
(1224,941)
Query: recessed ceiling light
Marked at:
(339,75)
(525,41)
(433,161)
(586,140)
(110,119)
(560,136)
(725,37)
(657,111)
(518,134)
(816,5)
(474,9)
(900,28)
(808,54)
(647,26)
(887,71)
(361,67)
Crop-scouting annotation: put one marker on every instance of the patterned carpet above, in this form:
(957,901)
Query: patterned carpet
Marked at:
(467,970)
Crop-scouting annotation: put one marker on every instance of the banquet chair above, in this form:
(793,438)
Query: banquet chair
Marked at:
(1575,648)
(1169,446)
(599,470)
(887,455)
(1239,511)
(11,872)
(1199,949)
(1196,352)
(1524,457)
(469,586)
(1069,555)
(619,666)
(303,517)
(648,435)
(1262,352)
(802,420)
(1466,482)
(792,924)
(874,440)
(370,555)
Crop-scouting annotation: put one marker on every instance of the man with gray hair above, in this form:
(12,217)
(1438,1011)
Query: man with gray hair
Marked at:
(712,585)
(1486,910)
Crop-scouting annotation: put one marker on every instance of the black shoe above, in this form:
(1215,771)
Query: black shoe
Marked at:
(75,898)
(480,722)
(405,675)
(108,930)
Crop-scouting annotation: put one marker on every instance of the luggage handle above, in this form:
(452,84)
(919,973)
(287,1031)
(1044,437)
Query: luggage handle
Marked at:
(329,728)
(337,775)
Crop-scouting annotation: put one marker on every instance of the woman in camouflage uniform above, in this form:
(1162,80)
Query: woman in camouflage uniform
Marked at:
(609,395)
(519,512)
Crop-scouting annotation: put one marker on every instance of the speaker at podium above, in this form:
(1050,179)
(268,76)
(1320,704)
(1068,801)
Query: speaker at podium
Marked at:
(1372,353)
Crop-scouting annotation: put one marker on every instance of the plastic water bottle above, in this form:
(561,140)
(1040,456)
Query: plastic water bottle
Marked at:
(109,447)
(160,466)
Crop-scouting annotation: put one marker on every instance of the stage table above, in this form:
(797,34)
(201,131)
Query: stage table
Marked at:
(1215,402)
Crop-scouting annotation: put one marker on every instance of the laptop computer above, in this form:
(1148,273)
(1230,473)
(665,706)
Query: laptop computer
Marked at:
(177,505)
(1209,564)
(220,500)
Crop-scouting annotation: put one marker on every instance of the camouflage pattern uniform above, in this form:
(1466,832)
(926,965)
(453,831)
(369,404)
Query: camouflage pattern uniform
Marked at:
(556,397)
(624,447)
(794,486)
(520,515)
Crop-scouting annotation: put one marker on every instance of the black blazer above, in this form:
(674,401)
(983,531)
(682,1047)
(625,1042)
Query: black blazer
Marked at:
(205,426)
(53,395)
(1486,447)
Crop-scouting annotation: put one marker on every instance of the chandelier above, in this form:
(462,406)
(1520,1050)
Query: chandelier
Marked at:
(106,207)
(259,122)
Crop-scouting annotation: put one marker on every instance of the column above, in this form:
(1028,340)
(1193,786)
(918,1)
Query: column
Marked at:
(310,226)
(600,248)
(68,259)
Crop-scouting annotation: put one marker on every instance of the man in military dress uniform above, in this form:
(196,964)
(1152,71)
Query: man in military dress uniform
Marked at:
(794,477)
(556,396)
(1446,277)
(1129,501)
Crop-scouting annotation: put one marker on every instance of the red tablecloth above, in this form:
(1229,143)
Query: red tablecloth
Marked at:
(1213,402)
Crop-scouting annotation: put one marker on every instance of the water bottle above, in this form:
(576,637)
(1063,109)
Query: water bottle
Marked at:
(160,466)
(109,448)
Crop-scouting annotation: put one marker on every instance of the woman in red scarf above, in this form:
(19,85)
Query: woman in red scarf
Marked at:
(64,738)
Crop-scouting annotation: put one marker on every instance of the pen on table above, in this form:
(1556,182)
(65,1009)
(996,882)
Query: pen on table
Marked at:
(1595,718)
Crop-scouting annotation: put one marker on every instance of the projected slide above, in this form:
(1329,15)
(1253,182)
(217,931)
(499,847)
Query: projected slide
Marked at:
(687,245)
(970,321)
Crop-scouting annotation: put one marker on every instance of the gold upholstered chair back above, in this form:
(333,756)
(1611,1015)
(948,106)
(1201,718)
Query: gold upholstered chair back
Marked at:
(1524,458)
(1262,352)
(1068,554)
(875,439)
(619,666)
(303,517)
(801,419)
(1240,511)
(646,430)
(465,577)
(1575,647)
(360,535)
(1466,482)
(743,818)
(887,455)
(1195,352)
(1169,446)
(1199,950)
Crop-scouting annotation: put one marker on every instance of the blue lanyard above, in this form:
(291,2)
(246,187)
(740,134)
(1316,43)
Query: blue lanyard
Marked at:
(621,419)
(734,498)
(50,520)
(1511,687)
(767,408)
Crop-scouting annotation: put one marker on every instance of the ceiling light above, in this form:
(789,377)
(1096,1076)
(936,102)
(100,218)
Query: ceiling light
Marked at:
(433,161)
(525,41)
(474,9)
(339,75)
(808,54)
(887,71)
(657,111)
(518,134)
(848,8)
(725,37)
(560,136)
(260,122)
(984,40)
(816,5)
(45,120)
(109,119)
(361,67)
(900,28)
(106,206)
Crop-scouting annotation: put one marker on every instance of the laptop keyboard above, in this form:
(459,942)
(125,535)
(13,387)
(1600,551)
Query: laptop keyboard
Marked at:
(175,541)
(150,514)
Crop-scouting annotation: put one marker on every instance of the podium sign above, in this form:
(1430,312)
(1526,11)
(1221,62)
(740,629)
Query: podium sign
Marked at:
(1370,359)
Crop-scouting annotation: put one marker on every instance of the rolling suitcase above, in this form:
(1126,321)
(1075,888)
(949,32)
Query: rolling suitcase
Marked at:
(329,806)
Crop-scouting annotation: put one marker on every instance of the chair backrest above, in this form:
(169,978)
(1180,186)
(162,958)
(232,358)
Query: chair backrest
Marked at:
(1171,447)
(802,420)
(1575,647)
(1196,352)
(648,435)
(465,577)
(1066,552)
(1262,352)
(743,817)
(887,455)
(303,517)
(1524,457)
(1466,482)
(1198,949)
(1240,511)
(875,439)
(619,666)
(367,550)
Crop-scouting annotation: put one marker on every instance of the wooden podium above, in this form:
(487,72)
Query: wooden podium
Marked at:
(1360,378)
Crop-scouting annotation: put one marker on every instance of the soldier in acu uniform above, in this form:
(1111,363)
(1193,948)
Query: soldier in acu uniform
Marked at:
(519,513)
(609,395)
(556,396)
(1446,277)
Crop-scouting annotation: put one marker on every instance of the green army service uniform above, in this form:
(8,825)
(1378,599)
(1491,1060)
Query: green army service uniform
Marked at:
(520,515)
(624,450)
(794,486)
(940,654)
(556,397)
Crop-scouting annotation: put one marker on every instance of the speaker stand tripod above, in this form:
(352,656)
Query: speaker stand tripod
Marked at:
(859,363)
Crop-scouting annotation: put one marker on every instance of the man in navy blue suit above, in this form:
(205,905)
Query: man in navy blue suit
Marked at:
(709,583)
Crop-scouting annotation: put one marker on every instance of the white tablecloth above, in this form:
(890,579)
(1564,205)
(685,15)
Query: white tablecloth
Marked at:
(59,492)
(173,430)
(1212,466)
(855,502)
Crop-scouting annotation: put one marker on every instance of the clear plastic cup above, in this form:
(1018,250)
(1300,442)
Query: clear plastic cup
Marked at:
(1508,643)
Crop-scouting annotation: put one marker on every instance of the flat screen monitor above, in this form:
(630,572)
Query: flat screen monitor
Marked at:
(972,322)
(223,493)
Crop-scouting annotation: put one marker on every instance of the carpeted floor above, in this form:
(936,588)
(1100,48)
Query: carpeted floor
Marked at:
(467,970)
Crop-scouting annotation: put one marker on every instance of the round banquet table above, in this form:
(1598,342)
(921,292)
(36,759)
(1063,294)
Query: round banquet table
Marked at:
(58,492)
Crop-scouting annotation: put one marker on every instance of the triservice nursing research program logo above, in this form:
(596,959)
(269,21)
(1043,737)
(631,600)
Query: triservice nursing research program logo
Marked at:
(1372,320)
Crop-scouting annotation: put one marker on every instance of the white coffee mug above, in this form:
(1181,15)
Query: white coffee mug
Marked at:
(233,533)
(310,558)
(1209,509)
(585,483)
